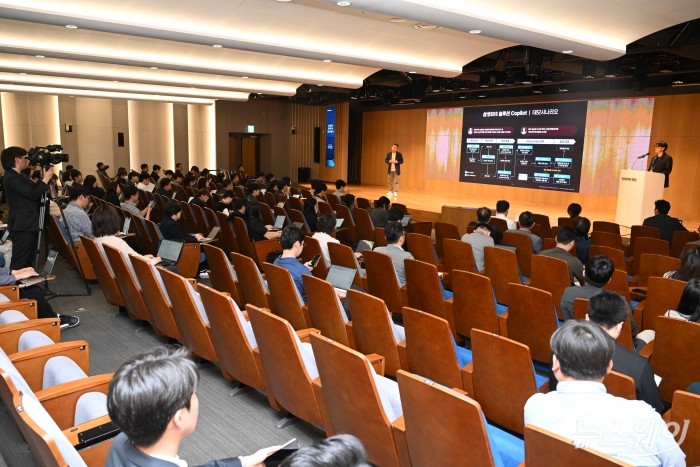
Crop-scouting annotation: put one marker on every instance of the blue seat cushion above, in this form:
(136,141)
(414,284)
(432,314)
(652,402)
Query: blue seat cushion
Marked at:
(500,309)
(507,450)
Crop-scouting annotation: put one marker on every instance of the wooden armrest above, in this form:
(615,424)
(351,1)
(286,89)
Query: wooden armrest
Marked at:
(303,334)
(403,356)
(647,350)
(10,333)
(378,362)
(26,307)
(10,291)
(467,378)
(399,424)
(73,432)
(460,391)
(30,363)
(60,400)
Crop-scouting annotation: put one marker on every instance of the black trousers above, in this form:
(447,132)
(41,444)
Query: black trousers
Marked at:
(35,292)
(23,249)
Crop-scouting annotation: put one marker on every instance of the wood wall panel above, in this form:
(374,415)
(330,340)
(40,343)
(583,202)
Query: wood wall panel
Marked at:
(30,119)
(150,133)
(181,137)
(120,120)
(69,141)
(96,137)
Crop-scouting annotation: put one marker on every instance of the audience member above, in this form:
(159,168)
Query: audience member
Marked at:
(224,203)
(502,208)
(257,230)
(166,187)
(609,311)
(252,192)
(292,241)
(121,176)
(102,169)
(396,237)
(89,183)
(319,189)
(340,187)
(113,192)
(662,221)
(565,242)
(582,411)
(483,216)
(201,198)
(310,211)
(336,451)
(379,214)
(574,210)
(105,227)
(75,216)
(238,209)
(152,399)
(583,243)
(690,266)
(130,204)
(395,214)
(480,238)
(155,175)
(326,226)
(171,228)
(145,183)
(599,270)
(144,169)
(527,220)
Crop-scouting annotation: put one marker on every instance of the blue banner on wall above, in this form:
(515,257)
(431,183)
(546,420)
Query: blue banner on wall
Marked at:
(330,137)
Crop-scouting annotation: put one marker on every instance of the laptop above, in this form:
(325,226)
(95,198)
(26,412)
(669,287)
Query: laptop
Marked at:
(339,222)
(279,223)
(46,272)
(341,277)
(125,228)
(298,225)
(169,252)
(4,237)
(363,245)
(406,220)
(212,235)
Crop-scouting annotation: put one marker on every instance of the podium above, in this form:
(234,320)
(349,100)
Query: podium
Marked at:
(636,195)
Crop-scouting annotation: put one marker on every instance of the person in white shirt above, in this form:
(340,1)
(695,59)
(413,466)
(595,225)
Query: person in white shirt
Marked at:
(105,227)
(502,208)
(145,183)
(326,227)
(581,410)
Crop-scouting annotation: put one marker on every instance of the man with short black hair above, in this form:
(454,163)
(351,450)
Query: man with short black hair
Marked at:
(483,216)
(526,221)
(396,237)
(292,241)
(662,221)
(78,221)
(145,183)
(479,239)
(340,186)
(582,411)
(337,451)
(380,215)
(166,187)
(130,204)
(599,271)
(102,169)
(565,238)
(502,208)
(152,399)
(609,311)
(155,175)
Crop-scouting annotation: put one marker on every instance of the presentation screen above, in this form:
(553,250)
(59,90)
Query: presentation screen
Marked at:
(528,145)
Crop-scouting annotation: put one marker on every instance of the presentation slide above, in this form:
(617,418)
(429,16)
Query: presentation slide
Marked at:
(529,146)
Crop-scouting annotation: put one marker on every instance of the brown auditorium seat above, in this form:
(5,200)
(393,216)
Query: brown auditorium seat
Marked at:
(541,446)
(458,255)
(401,206)
(188,265)
(105,276)
(503,378)
(647,245)
(662,295)
(474,304)
(188,221)
(680,239)
(673,339)
(73,252)
(421,247)
(608,239)
(374,332)
(348,232)
(228,236)
(603,226)
(532,319)
(565,222)
(424,293)
(501,266)
(325,310)
(501,224)
(379,237)
(544,223)
(552,275)
(298,217)
(381,283)
(363,203)
(651,264)
(430,350)
(245,246)
(421,228)
(523,251)
(685,413)
(363,224)
(641,231)
(253,288)
(154,294)
(452,425)
(342,255)
(443,231)
(285,300)
(265,247)
(354,396)
(189,314)
(10,333)
(311,249)
(135,305)
(289,370)
(221,274)
(615,255)
(620,385)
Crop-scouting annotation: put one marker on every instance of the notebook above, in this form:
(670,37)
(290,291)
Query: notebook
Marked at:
(46,272)
(341,277)
(169,252)
(406,219)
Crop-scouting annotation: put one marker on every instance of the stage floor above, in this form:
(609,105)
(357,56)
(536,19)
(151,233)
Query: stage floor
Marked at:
(430,203)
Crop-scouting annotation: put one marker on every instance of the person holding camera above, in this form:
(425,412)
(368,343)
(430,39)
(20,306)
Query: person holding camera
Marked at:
(24,199)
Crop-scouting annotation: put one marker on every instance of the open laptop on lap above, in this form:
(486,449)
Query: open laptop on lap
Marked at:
(45,273)
(341,277)
(169,252)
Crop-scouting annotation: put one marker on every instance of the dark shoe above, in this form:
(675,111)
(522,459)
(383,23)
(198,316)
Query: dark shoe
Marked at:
(68,322)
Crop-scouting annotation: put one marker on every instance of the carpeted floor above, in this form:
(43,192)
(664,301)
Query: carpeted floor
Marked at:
(228,426)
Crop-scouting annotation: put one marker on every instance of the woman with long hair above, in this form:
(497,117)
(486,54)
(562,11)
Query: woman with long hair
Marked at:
(113,192)
(690,266)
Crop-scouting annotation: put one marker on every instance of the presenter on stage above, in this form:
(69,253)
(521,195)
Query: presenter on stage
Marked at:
(394,159)
(661,162)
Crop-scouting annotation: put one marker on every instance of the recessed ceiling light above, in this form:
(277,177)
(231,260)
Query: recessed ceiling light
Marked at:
(244,77)
(412,72)
(153,67)
(217,46)
(71,26)
(397,20)
(39,56)
(426,26)
(677,82)
(475,31)
(115,80)
(567,51)
(319,84)
(343,3)
(327,60)
(285,1)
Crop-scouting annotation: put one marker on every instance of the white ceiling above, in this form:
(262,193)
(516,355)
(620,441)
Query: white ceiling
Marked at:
(164,47)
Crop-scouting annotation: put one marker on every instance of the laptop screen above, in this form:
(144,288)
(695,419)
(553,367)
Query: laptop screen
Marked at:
(341,277)
(127,224)
(406,219)
(279,222)
(50,262)
(363,245)
(339,222)
(170,250)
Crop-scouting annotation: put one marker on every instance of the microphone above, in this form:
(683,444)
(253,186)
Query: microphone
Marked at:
(643,156)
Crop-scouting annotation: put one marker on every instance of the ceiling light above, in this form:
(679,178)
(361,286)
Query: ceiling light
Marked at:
(22,73)
(397,20)
(475,31)
(327,60)
(481,95)
(244,77)
(426,26)
(71,26)
(563,89)
(217,46)
(537,90)
(319,84)
(567,51)
(342,3)
(285,1)
(153,67)
(40,56)
(412,72)
(106,94)
(678,82)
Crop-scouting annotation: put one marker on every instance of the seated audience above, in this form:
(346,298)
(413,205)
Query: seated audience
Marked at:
(690,266)
(113,192)
(340,187)
(144,169)
(337,451)
(257,230)
(326,226)
(130,204)
(102,169)
(238,209)
(152,399)
(527,221)
(583,243)
(574,210)
(105,227)
(609,311)
(396,237)
(89,183)
(565,238)
(480,238)
(581,409)
(121,176)
(379,214)
(395,214)
(688,308)
(166,187)
(318,189)
(292,241)
(201,199)
(171,229)
(310,211)
(483,216)
(155,175)
(662,221)
(252,192)
(224,204)
(134,178)
(145,183)
(502,208)
(75,216)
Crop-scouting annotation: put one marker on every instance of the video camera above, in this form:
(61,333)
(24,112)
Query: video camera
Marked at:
(46,156)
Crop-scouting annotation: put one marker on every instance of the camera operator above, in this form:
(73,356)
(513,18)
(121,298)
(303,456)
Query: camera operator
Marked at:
(24,199)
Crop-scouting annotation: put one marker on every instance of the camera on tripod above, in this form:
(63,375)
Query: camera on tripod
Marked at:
(46,156)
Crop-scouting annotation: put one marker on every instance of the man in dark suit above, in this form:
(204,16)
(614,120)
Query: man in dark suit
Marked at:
(661,162)
(609,310)
(162,382)
(662,221)
(394,159)
(24,199)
